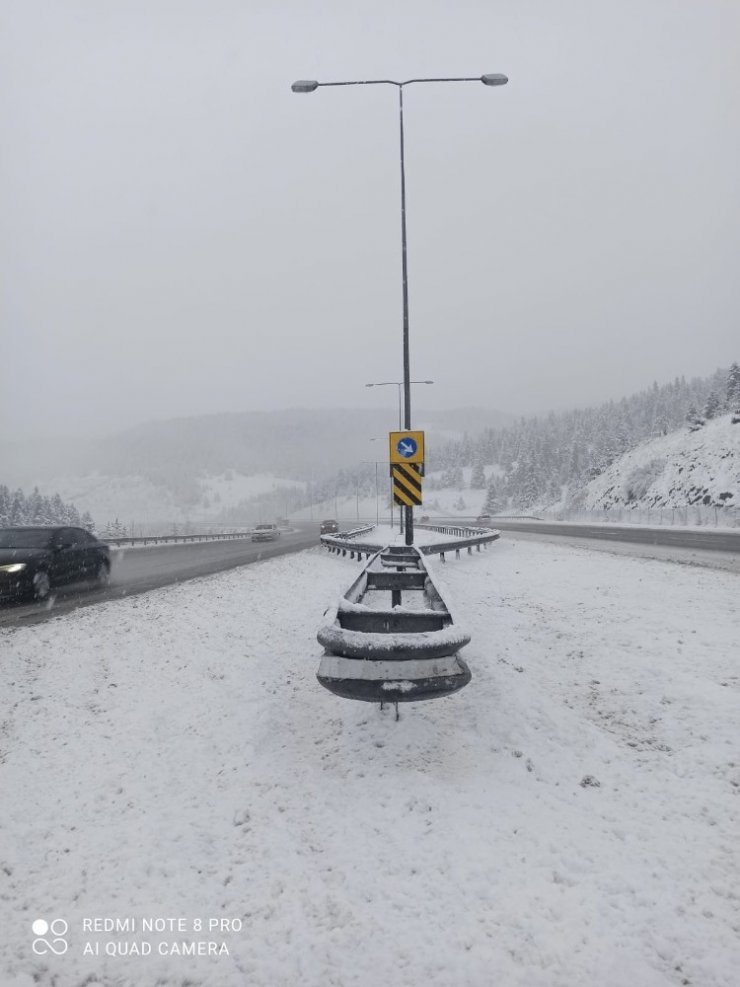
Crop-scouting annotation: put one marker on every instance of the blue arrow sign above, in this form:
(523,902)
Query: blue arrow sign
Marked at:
(406,447)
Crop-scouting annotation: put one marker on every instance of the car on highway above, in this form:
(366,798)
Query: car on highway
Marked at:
(34,560)
(329,527)
(483,520)
(265,532)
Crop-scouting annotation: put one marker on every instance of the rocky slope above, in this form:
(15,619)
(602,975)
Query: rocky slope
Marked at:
(684,467)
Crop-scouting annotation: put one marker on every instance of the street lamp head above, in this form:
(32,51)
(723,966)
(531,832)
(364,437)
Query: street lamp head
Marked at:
(493,80)
(304,86)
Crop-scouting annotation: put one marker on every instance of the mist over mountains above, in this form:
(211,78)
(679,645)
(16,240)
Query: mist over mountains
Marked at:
(230,468)
(295,444)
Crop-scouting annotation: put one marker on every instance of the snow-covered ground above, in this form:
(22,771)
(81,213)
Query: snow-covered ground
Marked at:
(451,501)
(231,488)
(570,818)
(138,502)
(700,467)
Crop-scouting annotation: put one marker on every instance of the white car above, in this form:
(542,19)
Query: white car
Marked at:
(265,532)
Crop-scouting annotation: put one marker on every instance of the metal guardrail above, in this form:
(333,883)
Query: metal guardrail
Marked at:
(468,537)
(174,539)
(378,650)
(690,515)
(356,532)
(449,529)
(342,546)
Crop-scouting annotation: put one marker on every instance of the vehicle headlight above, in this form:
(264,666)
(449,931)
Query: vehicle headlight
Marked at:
(13,567)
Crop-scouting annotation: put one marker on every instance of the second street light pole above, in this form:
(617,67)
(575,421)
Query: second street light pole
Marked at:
(390,487)
(371,462)
(399,384)
(309,86)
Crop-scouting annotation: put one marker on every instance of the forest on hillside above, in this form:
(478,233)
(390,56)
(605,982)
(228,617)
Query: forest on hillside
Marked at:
(18,508)
(539,457)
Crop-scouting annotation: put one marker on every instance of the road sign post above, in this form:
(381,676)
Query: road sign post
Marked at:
(406,455)
(406,447)
(406,479)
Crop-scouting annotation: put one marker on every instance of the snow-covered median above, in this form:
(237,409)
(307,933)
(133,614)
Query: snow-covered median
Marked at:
(570,818)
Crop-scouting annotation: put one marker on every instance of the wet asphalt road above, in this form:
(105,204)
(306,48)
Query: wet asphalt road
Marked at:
(138,570)
(706,539)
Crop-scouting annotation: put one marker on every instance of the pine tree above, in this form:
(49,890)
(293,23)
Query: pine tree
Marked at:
(478,477)
(733,393)
(531,484)
(712,406)
(694,419)
(18,509)
(661,423)
(57,509)
(34,508)
(733,386)
(492,503)
(4,506)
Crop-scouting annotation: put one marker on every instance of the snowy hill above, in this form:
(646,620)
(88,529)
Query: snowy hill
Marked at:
(700,467)
(674,471)
(146,506)
(292,443)
(547,462)
(211,467)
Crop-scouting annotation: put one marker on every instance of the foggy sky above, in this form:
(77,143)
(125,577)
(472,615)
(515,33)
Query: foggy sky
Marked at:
(181,234)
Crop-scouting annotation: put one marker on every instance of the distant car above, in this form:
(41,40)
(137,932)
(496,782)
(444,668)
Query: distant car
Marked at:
(265,532)
(329,527)
(424,519)
(484,520)
(283,522)
(33,560)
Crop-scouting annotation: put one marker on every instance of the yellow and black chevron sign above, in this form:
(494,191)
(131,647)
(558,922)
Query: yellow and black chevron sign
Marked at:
(406,484)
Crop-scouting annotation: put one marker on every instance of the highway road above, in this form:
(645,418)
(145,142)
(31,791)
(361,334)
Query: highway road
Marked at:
(713,548)
(138,570)
(709,539)
(706,558)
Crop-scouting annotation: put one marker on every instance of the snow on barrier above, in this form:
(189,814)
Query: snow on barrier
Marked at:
(354,543)
(391,637)
(175,539)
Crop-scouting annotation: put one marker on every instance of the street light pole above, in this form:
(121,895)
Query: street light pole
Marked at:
(309,86)
(370,462)
(399,384)
(405,277)
(400,515)
(377,509)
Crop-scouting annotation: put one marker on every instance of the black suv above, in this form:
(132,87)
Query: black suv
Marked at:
(329,527)
(33,560)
